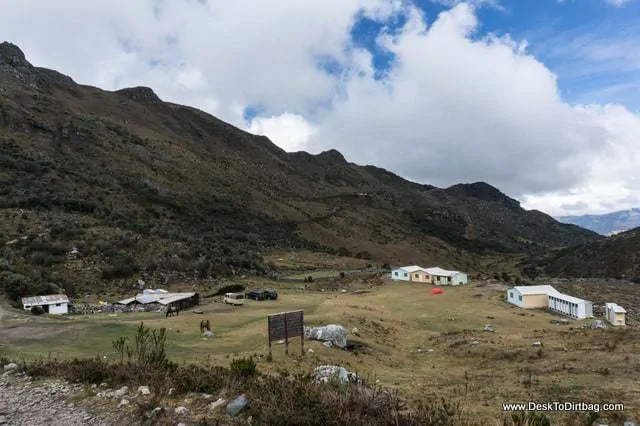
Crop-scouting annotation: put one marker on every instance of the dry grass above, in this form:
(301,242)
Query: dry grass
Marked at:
(457,360)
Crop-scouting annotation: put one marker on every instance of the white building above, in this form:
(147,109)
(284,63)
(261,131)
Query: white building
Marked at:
(531,297)
(404,273)
(55,304)
(441,276)
(615,314)
(570,306)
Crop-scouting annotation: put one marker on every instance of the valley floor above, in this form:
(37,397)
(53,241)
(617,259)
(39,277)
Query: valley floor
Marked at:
(426,346)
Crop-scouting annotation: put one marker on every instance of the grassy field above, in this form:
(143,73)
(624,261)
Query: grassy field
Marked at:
(426,346)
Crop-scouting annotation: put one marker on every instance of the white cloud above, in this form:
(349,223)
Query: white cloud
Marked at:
(291,131)
(454,107)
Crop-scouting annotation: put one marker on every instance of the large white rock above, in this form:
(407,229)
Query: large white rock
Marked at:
(336,334)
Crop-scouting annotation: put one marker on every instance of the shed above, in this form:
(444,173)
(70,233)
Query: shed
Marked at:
(179,300)
(531,297)
(570,306)
(55,304)
(446,277)
(405,273)
(615,314)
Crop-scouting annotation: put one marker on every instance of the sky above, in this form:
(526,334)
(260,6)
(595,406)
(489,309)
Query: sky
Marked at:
(538,98)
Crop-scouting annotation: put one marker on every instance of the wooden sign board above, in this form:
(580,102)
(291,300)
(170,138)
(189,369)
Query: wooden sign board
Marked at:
(284,325)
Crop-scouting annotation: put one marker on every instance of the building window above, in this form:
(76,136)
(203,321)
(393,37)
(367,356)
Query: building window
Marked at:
(405,274)
(520,298)
(58,304)
(510,295)
(395,273)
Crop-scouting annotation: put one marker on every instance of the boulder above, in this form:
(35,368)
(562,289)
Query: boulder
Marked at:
(336,334)
(325,373)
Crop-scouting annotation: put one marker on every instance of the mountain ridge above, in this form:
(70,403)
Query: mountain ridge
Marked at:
(608,223)
(151,189)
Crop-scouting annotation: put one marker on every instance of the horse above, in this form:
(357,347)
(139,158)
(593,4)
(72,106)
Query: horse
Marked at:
(172,310)
(204,325)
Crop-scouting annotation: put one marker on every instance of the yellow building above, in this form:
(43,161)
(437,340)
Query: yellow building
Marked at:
(615,314)
(531,297)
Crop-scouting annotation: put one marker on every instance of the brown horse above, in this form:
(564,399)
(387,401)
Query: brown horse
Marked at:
(204,325)
(172,310)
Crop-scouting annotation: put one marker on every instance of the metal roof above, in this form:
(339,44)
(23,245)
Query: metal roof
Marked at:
(162,298)
(537,289)
(568,298)
(175,297)
(616,308)
(45,300)
(412,268)
(440,272)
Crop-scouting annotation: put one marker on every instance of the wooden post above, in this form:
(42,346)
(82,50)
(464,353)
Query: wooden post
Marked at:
(286,336)
(302,334)
(269,328)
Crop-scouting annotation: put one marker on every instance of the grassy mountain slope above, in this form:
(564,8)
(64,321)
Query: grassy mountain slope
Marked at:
(617,256)
(146,188)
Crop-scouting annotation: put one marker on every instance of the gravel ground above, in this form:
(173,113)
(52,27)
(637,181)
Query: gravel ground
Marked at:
(46,403)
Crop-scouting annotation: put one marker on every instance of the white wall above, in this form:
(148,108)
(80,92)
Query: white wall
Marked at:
(574,310)
(57,310)
(400,274)
(460,278)
(514,297)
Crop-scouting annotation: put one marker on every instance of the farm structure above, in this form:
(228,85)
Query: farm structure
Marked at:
(174,300)
(55,304)
(441,276)
(435,275)
(545,296)
(531,297)
(570,306)
(615,314)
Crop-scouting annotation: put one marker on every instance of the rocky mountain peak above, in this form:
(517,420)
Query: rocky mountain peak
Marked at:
(482,191)
(333,156)
(140,94)
(11,55)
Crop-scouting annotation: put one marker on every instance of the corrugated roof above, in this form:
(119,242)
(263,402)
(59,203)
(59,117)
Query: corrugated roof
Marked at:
(536,289)
(126,301)
(616,308)
(412,268)
(45,300)
(438,271)
(568,298)
(162,298)
(175,297)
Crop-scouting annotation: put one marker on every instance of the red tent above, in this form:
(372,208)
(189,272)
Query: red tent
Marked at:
(436,290)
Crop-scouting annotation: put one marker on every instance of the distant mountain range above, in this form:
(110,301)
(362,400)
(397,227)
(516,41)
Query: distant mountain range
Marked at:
(606,224)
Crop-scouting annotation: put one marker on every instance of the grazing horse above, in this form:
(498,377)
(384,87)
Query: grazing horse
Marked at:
(173,310)
(204,325)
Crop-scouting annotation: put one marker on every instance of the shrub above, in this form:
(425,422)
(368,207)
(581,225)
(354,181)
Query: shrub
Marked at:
(528,418)
(243,367)
(148,348)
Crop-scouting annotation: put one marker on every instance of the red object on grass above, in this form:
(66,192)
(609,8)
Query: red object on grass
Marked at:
(437,290)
